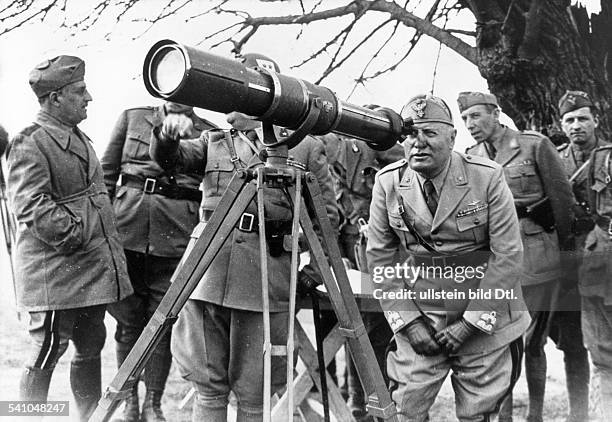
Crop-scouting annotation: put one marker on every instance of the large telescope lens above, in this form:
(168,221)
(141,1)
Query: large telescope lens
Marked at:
(168,67)
(185,75)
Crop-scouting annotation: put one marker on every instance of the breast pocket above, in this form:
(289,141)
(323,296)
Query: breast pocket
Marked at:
(523,178)
(474,225)
(217,176)
(136,146)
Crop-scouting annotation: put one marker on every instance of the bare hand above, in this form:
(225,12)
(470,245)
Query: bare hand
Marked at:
(177,126)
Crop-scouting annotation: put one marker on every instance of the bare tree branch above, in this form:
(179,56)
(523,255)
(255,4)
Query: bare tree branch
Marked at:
(395,12)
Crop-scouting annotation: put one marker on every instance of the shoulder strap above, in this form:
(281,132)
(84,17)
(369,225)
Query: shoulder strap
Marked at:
(249,143)
(579,170)
(402,211)
(229,141)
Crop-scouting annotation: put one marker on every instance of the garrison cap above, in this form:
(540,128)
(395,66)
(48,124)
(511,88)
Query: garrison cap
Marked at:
(259,60)
(56,73)
(427,108)
(573,100)
(468,99)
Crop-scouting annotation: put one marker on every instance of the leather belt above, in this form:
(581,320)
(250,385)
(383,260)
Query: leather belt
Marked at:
(605,223)
(250,223)
(153,186)
(474,259)
(521,211)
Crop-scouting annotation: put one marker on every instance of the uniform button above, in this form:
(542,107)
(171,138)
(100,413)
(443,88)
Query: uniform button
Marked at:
(476,221)
(438,243)
(216,165)
(239,239)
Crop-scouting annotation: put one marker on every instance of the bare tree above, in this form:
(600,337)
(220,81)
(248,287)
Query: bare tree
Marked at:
(529,51)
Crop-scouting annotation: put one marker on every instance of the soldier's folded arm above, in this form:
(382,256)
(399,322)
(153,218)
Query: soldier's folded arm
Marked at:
(30,192)
(111,160)
(504,264)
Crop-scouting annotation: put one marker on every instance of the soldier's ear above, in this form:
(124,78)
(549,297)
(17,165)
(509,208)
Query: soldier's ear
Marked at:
(453,134)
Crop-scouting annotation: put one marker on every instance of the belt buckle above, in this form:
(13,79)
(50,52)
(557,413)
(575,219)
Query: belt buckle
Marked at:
(149,185)
(436,259)
(246,218)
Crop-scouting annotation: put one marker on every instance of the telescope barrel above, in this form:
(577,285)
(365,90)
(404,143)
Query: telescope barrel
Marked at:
(190,76)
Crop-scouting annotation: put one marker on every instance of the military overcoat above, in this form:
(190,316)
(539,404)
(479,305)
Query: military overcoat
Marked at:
(68,253)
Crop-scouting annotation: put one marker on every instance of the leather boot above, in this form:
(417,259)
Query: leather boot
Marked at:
(535,372)
(86,384)
(131,411)
(151,408)
(577,373)
(34,384)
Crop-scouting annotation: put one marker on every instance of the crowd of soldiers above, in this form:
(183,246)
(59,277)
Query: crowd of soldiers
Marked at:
(107,235)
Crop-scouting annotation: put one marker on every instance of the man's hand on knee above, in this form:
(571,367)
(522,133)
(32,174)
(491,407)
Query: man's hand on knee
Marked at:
(421,337)
(454,335)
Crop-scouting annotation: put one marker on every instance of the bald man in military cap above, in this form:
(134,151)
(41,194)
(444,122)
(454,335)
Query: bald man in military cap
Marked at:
(69,262)
(543,200)
(156,212)
(217,340)
(453,215)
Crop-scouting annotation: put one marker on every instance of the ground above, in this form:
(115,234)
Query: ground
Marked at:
(14,340)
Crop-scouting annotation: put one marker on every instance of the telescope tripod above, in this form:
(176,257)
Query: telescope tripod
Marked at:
(246,185)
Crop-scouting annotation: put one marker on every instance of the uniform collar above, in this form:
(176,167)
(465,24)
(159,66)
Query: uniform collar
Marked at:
(438,180)
(58,130)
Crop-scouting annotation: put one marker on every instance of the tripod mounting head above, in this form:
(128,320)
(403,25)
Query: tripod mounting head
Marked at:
(186,75)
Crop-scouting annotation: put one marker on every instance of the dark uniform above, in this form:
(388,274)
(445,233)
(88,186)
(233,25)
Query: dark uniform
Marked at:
(353,166)
(473,224)
(156,212)
(533,171)
(69,262)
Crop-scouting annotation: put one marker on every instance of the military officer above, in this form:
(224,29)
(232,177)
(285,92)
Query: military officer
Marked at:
(69,263)
(534,172)
(452,214)
(353,165)
(217,340)
(578,121)
(595,272)
(156,212)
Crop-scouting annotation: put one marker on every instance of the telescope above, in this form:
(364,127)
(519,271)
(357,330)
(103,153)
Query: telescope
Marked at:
(186,75)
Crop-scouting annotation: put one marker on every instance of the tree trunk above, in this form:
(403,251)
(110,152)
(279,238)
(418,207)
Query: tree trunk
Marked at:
(531,54)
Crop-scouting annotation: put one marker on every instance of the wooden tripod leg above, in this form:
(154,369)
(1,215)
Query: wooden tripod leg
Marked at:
(342,299)
(234,202)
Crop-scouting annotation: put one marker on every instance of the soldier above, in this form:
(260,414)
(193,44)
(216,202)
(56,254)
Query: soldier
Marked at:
(156,212)
(595,275)
(453,215)
(217,340)
(69,262)
(543,198)
(578,120)
(3,140)
(353,166)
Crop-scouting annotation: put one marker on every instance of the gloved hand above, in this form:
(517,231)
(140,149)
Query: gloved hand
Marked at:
(421,337)
(307,281)
(176,126)
(454,335)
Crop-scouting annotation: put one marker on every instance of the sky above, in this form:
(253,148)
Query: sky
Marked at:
(113,67)
(114,63)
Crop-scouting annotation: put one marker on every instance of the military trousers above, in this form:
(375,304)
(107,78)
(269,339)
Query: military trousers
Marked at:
(150,277)
(480,380)
(219,349)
